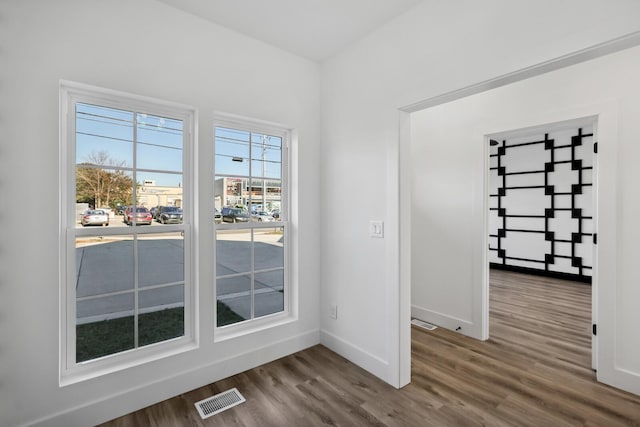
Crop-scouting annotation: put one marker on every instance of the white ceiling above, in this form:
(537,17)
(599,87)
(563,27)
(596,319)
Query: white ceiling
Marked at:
(314,29)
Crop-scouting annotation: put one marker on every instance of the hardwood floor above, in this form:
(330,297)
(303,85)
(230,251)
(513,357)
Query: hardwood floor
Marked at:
(534,371)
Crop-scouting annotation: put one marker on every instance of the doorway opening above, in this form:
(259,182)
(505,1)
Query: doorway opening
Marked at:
(541,222)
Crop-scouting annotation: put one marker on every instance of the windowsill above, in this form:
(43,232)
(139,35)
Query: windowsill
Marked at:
(110,364)
(237,330)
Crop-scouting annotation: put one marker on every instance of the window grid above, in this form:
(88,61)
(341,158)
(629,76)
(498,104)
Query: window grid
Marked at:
(250,179)
(74,95)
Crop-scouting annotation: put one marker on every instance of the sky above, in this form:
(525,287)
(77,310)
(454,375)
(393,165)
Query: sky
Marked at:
(159,148)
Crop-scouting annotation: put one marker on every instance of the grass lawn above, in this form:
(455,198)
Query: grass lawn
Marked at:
(106,337)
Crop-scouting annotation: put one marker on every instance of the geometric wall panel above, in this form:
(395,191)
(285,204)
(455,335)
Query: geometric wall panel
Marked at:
(523,223)
(530,203)
(540,189)
(563,248)
(526,180)
(522,245)
(563,224)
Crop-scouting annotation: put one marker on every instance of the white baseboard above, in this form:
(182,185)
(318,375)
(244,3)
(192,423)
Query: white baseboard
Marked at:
(448,322)
(367,361)
(141,396)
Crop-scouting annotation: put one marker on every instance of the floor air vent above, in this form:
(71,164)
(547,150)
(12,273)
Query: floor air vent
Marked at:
(218,403)
(425,325)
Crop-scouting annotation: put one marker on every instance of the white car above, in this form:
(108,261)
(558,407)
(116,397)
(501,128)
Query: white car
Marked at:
(261,216)
(94,217)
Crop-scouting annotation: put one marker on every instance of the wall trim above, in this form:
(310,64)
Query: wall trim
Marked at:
(367,361)
(448,322)
(582,55)
(141,396)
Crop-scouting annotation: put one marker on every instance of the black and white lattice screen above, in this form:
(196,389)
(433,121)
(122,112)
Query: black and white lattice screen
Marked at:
(540,200)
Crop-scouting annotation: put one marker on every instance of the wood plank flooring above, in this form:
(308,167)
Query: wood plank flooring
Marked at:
(534,371)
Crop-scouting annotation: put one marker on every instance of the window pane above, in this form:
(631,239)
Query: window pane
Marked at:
(234,299)
(266,156)
(268,248)
(159,143)
(265,194)
(103,265)
(161,314)
(104,136)
(104,326)
(269,293)
(233,252)
(232,152)
(160,259)
(102,187)
(98,308)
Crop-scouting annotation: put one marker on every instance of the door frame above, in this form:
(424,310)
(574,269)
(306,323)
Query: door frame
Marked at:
(607,116)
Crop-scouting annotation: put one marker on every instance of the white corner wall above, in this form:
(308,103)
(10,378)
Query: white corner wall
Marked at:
(433,49)
(147,48)
(607,89)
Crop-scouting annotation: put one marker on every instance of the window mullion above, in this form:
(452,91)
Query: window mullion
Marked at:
(250,180)
(134,200)
(134,219)
(250,191)
(253,277)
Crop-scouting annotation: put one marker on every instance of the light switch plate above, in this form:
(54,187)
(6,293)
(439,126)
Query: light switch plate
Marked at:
(333,311)
(376,229)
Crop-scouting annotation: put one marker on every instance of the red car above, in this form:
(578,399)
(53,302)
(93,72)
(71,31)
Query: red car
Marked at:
(143,216)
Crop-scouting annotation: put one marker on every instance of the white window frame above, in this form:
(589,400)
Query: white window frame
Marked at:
(70,94)
(289,313)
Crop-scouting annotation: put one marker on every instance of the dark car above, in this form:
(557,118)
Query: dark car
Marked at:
(234,215)
(169,215)
(143,216)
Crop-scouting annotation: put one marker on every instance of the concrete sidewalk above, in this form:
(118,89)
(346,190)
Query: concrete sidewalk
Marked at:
(105,276)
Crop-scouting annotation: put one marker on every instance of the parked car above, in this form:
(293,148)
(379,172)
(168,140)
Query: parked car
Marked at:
(275,214)
(234,215)
(154,211)
(143,216)
(169,215)
(94,217)
(120,209)
(106,210)
(261,216)
(217,216)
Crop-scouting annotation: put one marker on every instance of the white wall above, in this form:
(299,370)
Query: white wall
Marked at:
(433,49)
(147,48)
(606,88)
